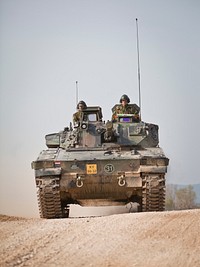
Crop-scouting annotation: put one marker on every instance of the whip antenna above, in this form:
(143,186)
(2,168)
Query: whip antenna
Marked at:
(138,61)
(76,93)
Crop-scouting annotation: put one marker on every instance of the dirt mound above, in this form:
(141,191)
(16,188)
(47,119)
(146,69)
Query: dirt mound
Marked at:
(5,218)
(134,239)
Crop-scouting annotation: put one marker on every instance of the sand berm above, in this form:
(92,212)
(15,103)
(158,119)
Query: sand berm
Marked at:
(121,240)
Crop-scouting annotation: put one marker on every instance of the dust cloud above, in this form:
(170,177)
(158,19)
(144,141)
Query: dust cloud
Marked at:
(78,211)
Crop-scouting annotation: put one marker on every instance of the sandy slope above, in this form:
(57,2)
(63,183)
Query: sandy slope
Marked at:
(134,239)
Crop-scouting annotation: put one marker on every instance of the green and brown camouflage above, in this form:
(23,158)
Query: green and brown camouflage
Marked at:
(127,109)
(99,163)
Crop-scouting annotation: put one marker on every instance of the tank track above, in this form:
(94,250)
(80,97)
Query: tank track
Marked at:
(153,193)
(49,198)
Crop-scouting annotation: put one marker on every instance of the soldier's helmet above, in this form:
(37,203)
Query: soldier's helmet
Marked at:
(124,97)
(81,103)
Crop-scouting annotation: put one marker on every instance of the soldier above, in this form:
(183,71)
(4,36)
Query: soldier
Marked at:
(124,108)
(80,107)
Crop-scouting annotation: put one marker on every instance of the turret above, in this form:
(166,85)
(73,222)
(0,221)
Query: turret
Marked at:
(92,133)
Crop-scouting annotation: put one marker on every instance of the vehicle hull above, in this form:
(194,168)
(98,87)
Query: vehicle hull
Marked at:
(99,178)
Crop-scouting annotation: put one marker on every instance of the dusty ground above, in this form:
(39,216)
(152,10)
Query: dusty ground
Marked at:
(134,239)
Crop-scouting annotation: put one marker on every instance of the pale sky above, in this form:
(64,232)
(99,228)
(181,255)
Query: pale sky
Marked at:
(48,45)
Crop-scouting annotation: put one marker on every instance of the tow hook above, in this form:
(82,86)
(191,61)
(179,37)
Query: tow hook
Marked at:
(79,181)
(121,181)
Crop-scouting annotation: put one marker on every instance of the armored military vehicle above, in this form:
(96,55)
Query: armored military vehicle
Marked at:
(97,163)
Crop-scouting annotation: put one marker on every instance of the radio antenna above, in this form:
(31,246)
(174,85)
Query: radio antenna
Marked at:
(76,93)
(138,61)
